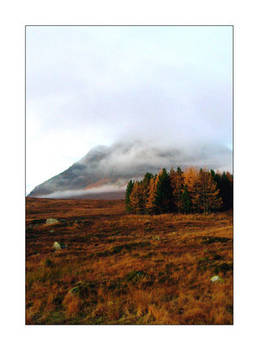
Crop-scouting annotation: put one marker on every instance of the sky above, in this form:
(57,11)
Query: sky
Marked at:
(88,86)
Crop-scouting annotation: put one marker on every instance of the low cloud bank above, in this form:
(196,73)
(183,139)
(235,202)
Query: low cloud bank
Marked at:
(80,193)
(137,157)
(118,163)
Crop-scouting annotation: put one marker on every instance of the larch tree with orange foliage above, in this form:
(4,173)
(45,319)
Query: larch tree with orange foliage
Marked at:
(177,185)
(137,198)
(151,205)
(145,187)
(191,191)
(206,195)
(190,180)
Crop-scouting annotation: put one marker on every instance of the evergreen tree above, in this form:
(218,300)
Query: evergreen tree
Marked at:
(185,203)
(225,185)
(128,193)
(163,195)
(188,191)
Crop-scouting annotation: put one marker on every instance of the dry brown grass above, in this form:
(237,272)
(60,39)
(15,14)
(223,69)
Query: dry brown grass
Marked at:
(127,269)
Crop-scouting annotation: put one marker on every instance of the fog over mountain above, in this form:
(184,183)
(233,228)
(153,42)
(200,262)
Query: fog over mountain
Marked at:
(153,96)
(105,170)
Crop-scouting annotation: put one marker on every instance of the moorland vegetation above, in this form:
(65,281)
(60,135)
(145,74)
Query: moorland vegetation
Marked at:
(114,267)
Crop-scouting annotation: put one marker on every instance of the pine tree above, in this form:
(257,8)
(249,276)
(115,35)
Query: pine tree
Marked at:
(225,185)
(185,202)
(229,192)
(163,196)
(188,191)
(128,193)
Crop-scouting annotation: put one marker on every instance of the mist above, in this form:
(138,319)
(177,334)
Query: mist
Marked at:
(152,96)
(108,168)
(126,158)
(84,193)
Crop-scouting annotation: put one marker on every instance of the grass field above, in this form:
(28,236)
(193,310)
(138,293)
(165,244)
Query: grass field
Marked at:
(117,268)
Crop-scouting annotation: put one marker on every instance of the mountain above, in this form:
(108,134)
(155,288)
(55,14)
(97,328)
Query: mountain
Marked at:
(105,170)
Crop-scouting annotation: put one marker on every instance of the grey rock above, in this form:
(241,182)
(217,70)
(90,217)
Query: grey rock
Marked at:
(58,246)
(51,221)
(216,278)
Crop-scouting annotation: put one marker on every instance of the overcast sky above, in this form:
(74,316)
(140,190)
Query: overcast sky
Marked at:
(89,86)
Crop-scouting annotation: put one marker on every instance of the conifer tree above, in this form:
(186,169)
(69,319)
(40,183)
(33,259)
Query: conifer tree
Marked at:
(151,197)
(190,180)
(185,203)
(229,192)
(128,193)
(145,188)
(225,184)
(163,196)
(188,191)
(136,198)
(177,185)
(206,195)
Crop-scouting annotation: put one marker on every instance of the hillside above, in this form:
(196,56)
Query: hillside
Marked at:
(104,171)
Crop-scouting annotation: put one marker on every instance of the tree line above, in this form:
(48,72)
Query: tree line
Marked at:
(189,191)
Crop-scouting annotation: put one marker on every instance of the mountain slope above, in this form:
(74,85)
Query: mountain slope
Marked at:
(104,171)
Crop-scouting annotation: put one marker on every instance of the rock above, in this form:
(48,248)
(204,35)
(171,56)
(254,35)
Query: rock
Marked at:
(51,221)
(58,246)
(216,278)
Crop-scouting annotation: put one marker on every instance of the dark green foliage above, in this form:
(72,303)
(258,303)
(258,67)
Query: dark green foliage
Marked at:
(186,203)
(225,185)
(163,196)
(147,179)
(128,193)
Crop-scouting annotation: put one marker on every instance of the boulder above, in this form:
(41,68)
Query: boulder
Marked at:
(58,246)
(51,221)
(216,278)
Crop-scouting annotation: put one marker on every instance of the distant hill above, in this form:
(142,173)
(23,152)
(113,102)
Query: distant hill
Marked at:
(104,171)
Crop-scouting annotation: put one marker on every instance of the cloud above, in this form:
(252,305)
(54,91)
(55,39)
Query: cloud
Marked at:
(109,188)
(108,168)
(89,86)
(138,156)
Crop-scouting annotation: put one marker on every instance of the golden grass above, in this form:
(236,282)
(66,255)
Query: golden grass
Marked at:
(128,269)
